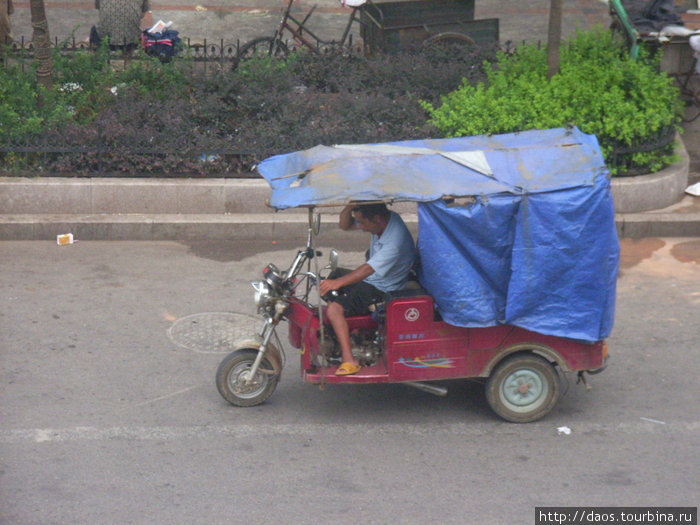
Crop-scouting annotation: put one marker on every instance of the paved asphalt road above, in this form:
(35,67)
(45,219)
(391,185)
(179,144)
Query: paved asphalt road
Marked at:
(104,419)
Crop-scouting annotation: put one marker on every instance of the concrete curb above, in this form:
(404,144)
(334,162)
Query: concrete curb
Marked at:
(105,196)
(654,191)
(677,221)
(234,209)
(162,227)
(682,219)
(124,196)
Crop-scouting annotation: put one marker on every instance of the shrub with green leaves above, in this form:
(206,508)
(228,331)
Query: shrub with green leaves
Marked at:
(81,89)
(154,118)
(20,115)
(599,89)
(272,106)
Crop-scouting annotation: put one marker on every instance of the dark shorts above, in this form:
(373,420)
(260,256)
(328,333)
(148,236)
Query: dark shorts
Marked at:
(356,298)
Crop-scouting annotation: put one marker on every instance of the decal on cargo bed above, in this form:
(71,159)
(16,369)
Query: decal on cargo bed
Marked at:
(427,362)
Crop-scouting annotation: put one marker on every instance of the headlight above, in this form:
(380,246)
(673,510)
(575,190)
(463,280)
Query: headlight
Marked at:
(262,293)
(273,276)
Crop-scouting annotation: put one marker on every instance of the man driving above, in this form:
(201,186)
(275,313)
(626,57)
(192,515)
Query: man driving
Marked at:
(391,257)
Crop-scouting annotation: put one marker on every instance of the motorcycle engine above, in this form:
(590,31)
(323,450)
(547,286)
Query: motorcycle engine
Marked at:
(366,346)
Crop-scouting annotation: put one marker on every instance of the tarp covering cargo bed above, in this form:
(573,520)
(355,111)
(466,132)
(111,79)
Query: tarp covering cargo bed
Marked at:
(536,247)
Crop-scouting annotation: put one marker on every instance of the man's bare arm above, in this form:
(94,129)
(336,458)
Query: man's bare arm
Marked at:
(347,221)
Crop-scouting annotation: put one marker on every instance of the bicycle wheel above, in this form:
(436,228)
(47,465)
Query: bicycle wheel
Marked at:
(449,39)
(264,46)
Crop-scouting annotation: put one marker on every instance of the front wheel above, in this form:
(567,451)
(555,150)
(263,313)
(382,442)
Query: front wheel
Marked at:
(523,388)
(232,374)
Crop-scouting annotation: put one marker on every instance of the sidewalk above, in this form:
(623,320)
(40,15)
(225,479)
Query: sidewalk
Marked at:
(231,20)
(226,209)
(178,209)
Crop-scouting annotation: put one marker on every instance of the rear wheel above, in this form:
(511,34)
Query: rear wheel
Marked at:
(232,374)
(264,46)
(449,40)
(523,388)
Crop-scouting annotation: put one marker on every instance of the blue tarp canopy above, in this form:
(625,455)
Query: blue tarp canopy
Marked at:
(536,248)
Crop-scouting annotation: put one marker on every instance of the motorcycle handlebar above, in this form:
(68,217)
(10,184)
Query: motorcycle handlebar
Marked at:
(300,259)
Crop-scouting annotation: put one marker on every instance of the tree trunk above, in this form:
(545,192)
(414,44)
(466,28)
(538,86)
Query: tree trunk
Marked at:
(42,43)
(554,38)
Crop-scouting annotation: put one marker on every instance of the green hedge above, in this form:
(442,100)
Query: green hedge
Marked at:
(599,89)
(159,119)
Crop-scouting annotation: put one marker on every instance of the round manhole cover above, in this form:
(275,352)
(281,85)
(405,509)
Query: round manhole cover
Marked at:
(213,332)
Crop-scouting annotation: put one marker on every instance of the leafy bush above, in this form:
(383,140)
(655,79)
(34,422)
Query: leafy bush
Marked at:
(81,89)
(20,116)
(599,89)
(425,72)
(154,118)
(272,106)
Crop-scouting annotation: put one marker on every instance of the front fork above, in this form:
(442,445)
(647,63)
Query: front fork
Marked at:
(265,334)
(281,306)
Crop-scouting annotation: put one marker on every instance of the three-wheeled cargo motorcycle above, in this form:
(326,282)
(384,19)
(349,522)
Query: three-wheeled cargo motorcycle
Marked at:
(518,259)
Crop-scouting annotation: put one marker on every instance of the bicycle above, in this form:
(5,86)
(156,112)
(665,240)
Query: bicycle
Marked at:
(275,46)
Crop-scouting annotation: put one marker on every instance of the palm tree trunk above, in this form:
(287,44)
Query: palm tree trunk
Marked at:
(554,38)
(42,42)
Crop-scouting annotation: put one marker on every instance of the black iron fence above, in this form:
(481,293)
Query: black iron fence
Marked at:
(89,151)
(96,150)
(209,54)
(224,130)
(105,148)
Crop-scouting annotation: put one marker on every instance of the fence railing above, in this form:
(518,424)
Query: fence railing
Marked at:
(98,154)
(89,151)
(221,53)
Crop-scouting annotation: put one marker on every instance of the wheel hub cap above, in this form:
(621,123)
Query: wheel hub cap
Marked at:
(240,384)
(523,387)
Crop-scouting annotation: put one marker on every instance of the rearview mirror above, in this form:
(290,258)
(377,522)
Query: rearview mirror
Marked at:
(333,259)
(315,222)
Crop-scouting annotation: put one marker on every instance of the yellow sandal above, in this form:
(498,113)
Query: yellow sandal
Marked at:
(347,369)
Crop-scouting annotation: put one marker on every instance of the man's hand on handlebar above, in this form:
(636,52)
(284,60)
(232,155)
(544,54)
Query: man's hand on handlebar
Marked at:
(328,285)
(355,276)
